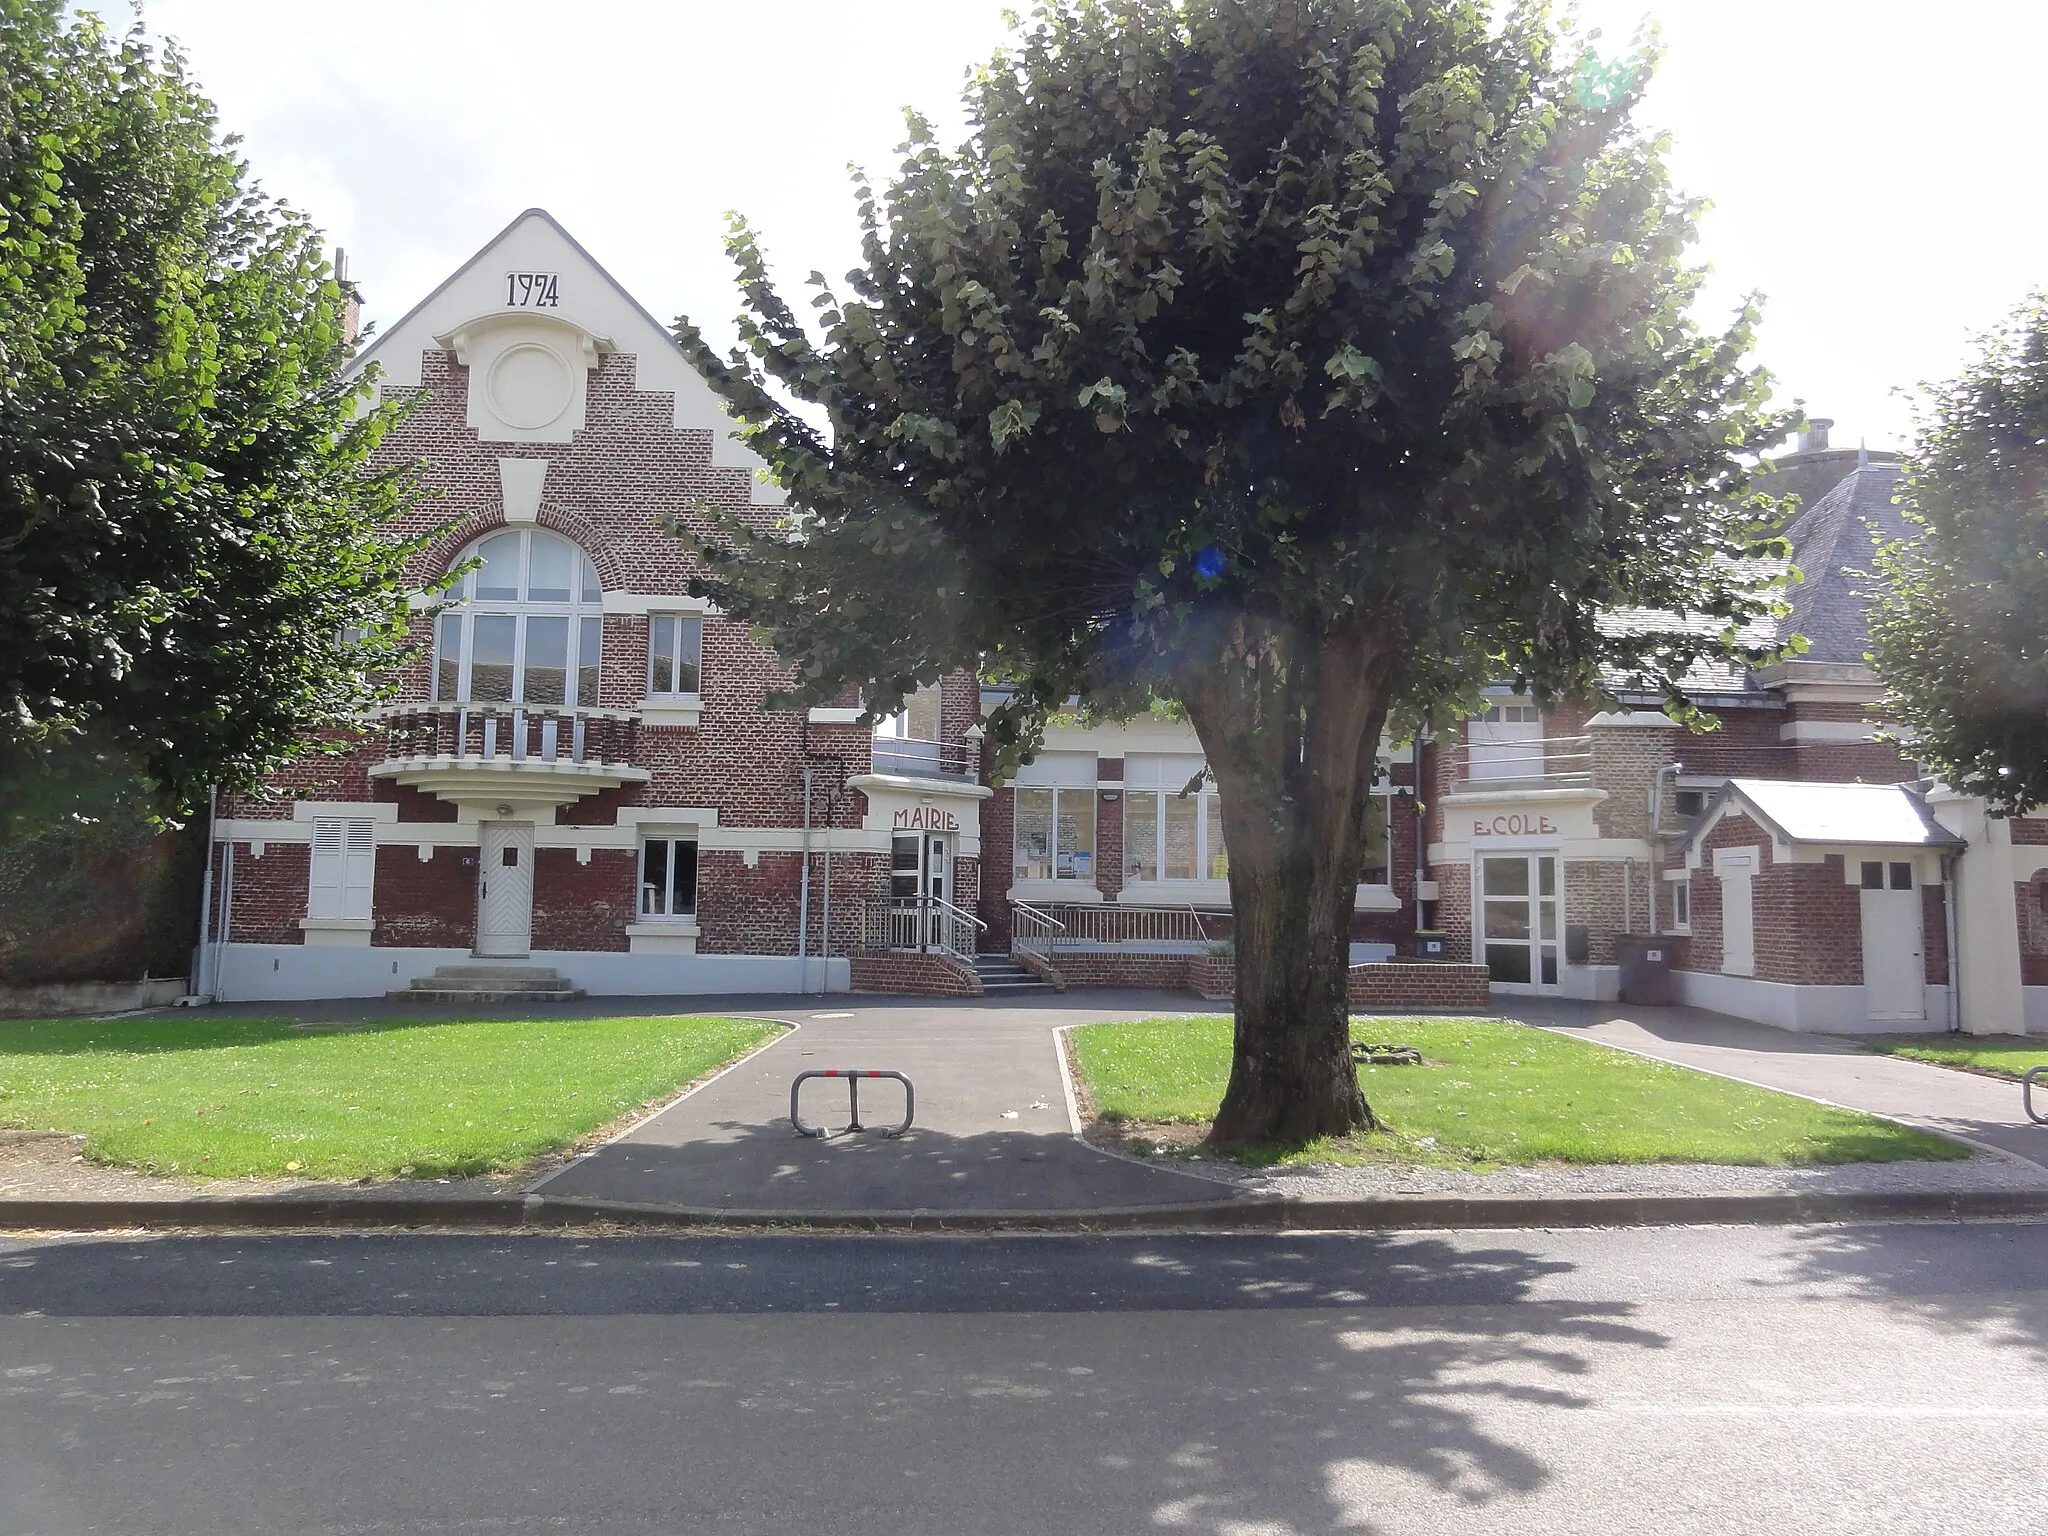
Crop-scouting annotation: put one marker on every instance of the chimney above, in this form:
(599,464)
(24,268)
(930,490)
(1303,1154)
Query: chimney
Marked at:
(1815,438)
(351,302)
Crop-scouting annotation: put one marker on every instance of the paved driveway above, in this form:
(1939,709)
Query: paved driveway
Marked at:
(1829,1067)
(993,1131)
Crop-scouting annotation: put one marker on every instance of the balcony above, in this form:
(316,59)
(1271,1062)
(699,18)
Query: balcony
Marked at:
(1549,762)
(908,758)
(520,755)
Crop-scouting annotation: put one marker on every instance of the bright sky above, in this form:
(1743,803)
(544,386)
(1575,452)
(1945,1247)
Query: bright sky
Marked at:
(1875,167)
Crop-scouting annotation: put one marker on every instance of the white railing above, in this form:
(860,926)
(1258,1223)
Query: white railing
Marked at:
(1041,932)
(925,924)
(519,733)
(914,759)
(1549,762)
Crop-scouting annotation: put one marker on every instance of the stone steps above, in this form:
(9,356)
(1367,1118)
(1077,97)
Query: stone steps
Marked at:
(490,984)
(1000,974)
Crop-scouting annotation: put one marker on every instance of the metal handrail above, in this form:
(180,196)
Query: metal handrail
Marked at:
(921,923)
(1531,760)
(914,758)
(1040,930)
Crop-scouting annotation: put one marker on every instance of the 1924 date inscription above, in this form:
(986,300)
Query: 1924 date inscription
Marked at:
(533,290)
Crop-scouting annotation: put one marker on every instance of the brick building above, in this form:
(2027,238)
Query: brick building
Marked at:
(581,773)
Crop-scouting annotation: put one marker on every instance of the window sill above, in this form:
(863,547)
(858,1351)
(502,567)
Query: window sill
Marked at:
(671,936)
(676,709)
(1071,891)
(337,932)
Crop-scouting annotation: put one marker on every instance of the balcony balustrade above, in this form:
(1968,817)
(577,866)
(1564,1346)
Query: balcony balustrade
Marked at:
(527,753)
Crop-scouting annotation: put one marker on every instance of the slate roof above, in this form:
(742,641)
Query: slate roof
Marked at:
(1833,543)
(1876,815)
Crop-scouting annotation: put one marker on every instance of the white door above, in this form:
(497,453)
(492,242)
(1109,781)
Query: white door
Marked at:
(504,889)
(1519,924)
(1894,978)
(1736,868)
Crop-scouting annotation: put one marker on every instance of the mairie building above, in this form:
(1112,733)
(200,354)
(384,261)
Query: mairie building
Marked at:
(581,785)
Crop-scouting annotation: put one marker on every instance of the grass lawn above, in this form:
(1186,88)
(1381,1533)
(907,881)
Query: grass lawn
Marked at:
(398,1097)
(2000,1055)
(1496,1093)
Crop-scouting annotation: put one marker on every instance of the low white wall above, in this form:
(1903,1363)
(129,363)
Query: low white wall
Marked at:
(1817,1010)
(299,972)
(61,997)
(2034,1009)
(1593,983)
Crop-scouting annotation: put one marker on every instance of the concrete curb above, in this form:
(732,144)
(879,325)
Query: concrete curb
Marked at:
(1273,1214)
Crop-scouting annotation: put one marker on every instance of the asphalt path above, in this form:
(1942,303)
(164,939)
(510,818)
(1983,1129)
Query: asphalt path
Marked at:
(1837,1379)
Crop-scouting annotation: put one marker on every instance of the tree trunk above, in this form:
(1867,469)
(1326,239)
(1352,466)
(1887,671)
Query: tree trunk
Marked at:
(1291,726)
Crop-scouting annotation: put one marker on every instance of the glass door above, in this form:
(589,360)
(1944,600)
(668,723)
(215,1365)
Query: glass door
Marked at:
(1518,919)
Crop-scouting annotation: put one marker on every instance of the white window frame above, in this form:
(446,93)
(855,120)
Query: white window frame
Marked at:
(1681,902)
(1205,800)
(644,893)
(455,628)
(341,874)
(683,624)
(1075,874)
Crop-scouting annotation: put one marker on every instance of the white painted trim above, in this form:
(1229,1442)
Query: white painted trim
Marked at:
(671,710)
(823,716)
(640,604)
(1080,893)
(1648,719)
(301,972)
(1806,731)
(343,932)
(903,784)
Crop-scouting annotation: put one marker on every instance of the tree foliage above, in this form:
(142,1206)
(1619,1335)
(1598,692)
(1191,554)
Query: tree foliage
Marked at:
(1301,361)
(1961,625)
(193,561)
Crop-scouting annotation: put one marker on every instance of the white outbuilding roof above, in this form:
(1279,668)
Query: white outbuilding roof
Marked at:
(1877,815)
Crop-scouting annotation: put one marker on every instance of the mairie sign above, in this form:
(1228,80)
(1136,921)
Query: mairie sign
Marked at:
(925,818)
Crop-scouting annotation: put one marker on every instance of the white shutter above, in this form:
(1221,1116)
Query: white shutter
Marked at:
(323,898)
(358,869)
(344,866)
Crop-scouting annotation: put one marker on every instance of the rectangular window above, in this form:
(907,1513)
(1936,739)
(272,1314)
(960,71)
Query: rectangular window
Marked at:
(1141,837)
(448,658)
(1873,875)
(1902,877)
(1171,836)
(491,655)
(675,653)
(344,867)
(1177,857)
(668,877)
(589,654)
(1378,849)
(1054,834)
(1681,906)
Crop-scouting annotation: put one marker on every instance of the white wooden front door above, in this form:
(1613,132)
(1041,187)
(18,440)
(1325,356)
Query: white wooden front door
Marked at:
(1737,870)
(1518,920)
(1894,975)
(504,889)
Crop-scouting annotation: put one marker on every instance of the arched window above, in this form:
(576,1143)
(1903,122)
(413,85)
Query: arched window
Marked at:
(528,628)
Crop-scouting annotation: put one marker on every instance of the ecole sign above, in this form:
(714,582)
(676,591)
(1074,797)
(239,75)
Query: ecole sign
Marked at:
(925,818)
(1514,824)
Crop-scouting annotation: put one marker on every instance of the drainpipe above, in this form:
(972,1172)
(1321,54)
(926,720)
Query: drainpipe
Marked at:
(1948,912)
(1656,836)
(227,915)
(202,982)
(803,905)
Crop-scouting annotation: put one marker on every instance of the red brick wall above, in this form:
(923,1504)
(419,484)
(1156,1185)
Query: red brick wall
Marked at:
(2029,832)
(430,905)
(582,906)
(2030,913)
(269,895)
(921,975)
(1809,925)
(1934,934)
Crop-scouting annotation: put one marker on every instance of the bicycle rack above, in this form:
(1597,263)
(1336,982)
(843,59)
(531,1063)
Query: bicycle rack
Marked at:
(853,1075)
(2027,1093)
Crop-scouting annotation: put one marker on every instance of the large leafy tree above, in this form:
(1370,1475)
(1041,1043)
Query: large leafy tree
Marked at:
(1961,625)
(1298,361)
(194,570)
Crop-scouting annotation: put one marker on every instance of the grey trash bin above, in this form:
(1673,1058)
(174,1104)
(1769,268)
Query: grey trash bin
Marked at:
(1646,963)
